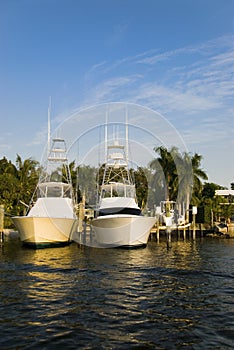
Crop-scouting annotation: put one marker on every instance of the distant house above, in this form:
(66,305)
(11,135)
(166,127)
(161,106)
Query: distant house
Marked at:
(229,194)
(224,193)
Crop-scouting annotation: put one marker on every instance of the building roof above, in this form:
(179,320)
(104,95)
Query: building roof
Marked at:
(224,192)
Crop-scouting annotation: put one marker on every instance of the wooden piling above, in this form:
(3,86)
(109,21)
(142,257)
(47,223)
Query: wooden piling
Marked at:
(168,233)
(1,223)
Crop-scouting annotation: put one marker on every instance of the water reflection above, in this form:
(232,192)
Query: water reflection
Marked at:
(117,298)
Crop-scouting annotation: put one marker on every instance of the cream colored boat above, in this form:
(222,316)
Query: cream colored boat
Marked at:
(51,221)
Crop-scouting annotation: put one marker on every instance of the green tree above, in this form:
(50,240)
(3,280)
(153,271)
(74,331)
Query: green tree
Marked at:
(180,175)
(87,183)
(209,203)
(74,180)
(6,167)
(27,176)
(17,184)
(8,188)
(141,184)
(208,190)
(198,176)
(165,171)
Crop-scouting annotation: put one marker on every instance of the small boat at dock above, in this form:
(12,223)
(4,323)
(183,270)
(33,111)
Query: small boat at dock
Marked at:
(169,215)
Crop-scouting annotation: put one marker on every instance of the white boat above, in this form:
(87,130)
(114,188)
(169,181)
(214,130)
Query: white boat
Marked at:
(51,220)
(169,214)
(119,221)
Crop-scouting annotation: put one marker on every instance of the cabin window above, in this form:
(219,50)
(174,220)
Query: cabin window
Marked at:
(119,190)
(54,192)
(106,194)
(130,192)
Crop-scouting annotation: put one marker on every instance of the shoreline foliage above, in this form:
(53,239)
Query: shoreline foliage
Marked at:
(170,175)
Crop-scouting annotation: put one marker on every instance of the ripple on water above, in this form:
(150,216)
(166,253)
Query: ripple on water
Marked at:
(89,298)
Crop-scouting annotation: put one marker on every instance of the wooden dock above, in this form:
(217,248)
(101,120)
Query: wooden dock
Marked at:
(230,229)
(188,231)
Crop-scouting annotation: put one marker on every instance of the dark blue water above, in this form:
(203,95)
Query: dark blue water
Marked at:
(89,298)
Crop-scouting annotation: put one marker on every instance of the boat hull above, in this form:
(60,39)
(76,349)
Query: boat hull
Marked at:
(122,230)
(45,231)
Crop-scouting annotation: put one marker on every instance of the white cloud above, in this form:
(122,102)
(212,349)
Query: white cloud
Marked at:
(191,79)
(191,86)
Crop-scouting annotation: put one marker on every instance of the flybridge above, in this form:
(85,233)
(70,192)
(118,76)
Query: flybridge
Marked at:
(58,151)
(116,159)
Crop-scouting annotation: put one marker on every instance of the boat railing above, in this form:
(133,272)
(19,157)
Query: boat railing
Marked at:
(57,159)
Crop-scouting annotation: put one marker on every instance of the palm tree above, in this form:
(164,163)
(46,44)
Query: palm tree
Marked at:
(165,171)
(183,183)
(6,167)
(198,176)
(27,176)
(179,174)
(141,184)
(189,181)
(8,188)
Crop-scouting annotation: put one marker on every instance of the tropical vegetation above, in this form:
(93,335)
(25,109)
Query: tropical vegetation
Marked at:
(170,175)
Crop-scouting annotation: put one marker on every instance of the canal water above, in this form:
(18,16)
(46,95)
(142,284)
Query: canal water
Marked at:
(156,297)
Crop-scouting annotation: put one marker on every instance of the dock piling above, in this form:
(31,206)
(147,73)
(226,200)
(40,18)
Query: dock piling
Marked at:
(168,232)
(1,223)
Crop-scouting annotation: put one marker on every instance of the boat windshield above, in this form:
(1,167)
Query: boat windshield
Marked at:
(116,189)
(56,190)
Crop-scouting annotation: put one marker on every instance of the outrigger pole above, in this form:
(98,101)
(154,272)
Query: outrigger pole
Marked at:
(126,131)
(48,131)
(106,121)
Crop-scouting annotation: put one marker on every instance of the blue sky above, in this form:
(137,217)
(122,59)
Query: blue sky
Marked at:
(175,57)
